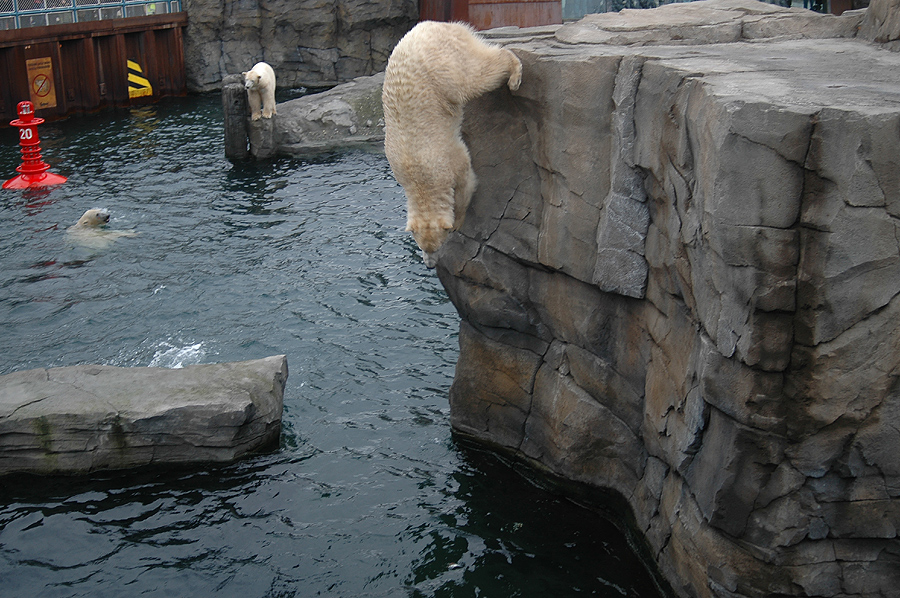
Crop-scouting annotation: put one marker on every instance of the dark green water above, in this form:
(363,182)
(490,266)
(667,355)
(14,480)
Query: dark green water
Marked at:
(369,494)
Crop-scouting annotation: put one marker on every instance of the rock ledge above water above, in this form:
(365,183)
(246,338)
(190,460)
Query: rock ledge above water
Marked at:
(84,418)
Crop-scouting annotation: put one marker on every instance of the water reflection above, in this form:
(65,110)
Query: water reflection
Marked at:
(478,530)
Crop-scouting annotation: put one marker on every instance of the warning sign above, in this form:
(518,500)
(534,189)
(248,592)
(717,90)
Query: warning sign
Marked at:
(138,85)
(40,79)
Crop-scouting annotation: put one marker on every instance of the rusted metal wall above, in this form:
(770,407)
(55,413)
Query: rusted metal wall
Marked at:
(485,14)
(83,67)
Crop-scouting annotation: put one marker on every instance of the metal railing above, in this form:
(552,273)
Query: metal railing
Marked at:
(16,14)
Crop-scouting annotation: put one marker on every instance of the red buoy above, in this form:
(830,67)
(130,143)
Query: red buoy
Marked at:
(33,171)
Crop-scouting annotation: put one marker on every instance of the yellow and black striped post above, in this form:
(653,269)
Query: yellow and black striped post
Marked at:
(138,85)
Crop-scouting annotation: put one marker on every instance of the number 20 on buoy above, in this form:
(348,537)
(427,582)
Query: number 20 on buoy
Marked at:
(33,171)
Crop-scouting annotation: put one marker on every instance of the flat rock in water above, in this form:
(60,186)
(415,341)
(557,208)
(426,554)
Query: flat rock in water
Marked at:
(83,418)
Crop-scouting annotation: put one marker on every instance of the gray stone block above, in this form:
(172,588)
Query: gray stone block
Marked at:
(80,419)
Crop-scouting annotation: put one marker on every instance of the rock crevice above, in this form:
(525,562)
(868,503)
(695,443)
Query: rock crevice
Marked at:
(308,43)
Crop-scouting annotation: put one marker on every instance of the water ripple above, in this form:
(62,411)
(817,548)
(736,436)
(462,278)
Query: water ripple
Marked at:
(368,494)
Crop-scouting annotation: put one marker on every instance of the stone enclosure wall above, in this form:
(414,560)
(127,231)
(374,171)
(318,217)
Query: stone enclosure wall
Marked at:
(307,42)
(679,279)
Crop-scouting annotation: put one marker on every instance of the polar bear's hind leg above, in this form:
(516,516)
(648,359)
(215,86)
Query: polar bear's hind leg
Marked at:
(515,77)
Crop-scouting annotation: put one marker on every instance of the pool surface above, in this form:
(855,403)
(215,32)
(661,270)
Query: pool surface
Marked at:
(369,494)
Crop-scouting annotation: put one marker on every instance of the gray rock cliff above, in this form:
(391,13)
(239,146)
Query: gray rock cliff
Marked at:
(308,43)
(679,279)
(84,418)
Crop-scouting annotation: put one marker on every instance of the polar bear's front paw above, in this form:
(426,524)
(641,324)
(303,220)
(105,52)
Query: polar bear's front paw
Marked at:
(255,116)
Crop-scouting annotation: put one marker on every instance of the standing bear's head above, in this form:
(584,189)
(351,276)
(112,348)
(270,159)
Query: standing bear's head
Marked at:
(251,79)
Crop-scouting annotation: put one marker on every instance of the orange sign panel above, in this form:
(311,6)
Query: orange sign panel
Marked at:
(40,82)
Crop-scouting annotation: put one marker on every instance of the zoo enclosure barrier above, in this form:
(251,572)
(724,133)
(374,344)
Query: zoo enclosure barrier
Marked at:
(92,65)
(16,14)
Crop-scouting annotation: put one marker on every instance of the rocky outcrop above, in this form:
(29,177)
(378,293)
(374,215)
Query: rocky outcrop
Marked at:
(84,418)
(344,117)
(309,43)
(882,24)
(679,279)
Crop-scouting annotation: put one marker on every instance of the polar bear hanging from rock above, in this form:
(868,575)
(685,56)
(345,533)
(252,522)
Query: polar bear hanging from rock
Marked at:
(260,85)
(434,70)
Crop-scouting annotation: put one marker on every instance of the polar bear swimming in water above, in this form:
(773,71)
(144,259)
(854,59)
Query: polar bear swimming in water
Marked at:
(434,70)
(260,85)
(90,230)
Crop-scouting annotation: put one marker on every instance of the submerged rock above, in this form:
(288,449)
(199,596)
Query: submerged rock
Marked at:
(83,418)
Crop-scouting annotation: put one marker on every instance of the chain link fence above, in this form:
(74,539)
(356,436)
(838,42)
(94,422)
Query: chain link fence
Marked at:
(15,14)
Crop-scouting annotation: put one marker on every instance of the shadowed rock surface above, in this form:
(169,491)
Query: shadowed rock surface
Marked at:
(346,116)
(679,279)
(309,43)
(84,418)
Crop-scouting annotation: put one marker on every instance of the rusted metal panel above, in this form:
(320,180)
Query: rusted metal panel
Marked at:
(522,13)
(434,10)
(90,63)
(443,10)
(80,86)
(485,14)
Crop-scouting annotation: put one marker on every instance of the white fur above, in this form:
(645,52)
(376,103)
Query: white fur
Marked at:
(90,230)
(260,85)
(434,70)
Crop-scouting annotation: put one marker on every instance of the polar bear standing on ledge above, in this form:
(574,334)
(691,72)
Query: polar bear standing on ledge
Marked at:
(434,70)
(260,85)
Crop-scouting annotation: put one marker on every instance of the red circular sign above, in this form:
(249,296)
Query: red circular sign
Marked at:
(41,85)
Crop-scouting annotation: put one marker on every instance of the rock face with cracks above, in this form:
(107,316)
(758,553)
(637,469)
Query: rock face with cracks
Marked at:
(679,279)
(307,42)
(83,418)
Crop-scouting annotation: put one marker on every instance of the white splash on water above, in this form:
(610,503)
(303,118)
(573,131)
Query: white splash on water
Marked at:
(171,356)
